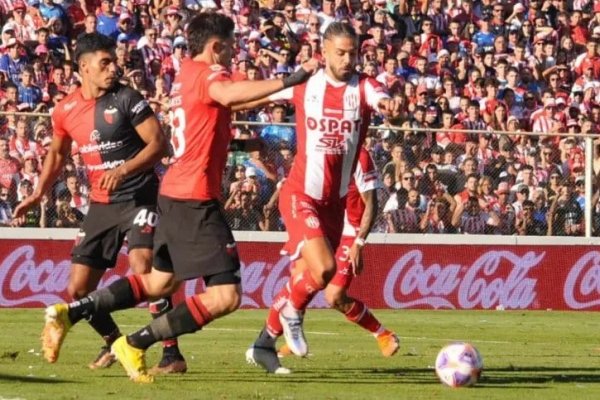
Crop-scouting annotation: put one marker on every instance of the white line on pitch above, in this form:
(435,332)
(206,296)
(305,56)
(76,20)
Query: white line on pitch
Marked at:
(243,330)
(452,340)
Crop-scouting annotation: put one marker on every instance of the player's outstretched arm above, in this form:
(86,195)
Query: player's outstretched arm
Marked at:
(58,152)
(230,93)
(156,148)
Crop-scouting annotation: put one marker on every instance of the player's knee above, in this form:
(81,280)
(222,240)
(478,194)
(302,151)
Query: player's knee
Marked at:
(76,292)
(140,262)
(336,298)
(327,274)
(226,301)
(324,271)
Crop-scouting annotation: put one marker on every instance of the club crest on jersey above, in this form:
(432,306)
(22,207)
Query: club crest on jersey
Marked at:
(351,101)
(95,136)
(312,222)
(110,115)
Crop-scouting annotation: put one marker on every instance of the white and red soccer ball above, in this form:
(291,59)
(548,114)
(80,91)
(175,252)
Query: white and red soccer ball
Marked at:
(459,364)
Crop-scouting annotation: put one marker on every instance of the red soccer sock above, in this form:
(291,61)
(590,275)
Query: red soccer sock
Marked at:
(360,315)
(273,324)
(304,289)
(198,311)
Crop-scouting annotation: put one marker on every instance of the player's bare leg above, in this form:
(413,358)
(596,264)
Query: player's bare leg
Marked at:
(316,268)
(357,312)
(188,317)
(172,360)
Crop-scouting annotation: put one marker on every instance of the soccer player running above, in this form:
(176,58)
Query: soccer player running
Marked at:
(361,208)
(121,141)
(334,110)
(192,239)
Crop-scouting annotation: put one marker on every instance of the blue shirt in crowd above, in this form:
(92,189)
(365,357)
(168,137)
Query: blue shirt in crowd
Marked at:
(273,135)
(107,25)
(12,68)
(31,95)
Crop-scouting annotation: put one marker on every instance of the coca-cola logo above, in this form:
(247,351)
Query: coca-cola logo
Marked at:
(582,286)
(480,285)
(25,282)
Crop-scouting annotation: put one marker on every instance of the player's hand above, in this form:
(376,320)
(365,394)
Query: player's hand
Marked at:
(22,208)
(390,107)
(312,65)
(111,179)
(356,260)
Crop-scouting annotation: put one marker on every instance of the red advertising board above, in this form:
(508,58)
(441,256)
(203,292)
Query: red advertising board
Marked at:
(34,273)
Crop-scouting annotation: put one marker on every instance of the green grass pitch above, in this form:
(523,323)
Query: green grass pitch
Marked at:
(527,356)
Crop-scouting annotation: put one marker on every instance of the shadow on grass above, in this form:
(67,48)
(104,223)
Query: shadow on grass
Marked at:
(32,379)
(512,377)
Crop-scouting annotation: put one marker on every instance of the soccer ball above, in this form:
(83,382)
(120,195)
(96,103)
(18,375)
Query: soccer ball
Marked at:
(459,364)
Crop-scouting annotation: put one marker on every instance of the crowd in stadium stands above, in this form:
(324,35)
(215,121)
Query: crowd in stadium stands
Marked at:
(491,65)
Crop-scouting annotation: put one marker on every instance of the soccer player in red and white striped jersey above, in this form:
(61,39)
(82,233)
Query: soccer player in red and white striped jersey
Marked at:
(333,112)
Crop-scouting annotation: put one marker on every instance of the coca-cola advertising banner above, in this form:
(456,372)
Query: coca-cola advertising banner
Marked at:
(34,273)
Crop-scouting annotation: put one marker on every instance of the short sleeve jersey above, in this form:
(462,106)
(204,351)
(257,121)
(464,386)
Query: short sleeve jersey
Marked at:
(200,134)
(104,131)
(332,122)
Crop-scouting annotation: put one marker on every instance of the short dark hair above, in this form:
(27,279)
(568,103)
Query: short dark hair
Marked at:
(93,42)
(340,29)
(205,26)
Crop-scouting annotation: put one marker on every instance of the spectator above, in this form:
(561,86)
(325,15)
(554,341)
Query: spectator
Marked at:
(107,20)
(9,170)
(22,142)
(246,216)
(36,217)
(78,200)
(29,94)
(438,217)
(66,216)
(565,217)
(402,219)
(470,218)
(13,62)
(274,135)
(5,207)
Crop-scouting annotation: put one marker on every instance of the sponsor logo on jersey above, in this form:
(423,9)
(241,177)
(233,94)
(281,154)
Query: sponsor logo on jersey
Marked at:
(139,106)
(105,165)
(332,144)
(312,222)
(333,125)
(110,115)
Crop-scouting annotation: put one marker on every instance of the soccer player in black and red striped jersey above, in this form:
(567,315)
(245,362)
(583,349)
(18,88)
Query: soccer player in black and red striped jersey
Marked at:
(192,239)
(120,140)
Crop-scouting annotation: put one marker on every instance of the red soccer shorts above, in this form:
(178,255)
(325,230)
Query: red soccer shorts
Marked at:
(306,218)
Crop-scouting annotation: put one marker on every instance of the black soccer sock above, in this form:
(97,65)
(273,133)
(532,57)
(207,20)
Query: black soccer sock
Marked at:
(158,308)
(264,339)
(122,294)
(106,327)
(176,322)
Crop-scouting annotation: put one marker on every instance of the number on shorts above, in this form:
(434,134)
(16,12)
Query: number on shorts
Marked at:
(345,254)
(145,217)
(177,118)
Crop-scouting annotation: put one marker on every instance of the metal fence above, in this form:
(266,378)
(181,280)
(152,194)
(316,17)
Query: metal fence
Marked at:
(427,183)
